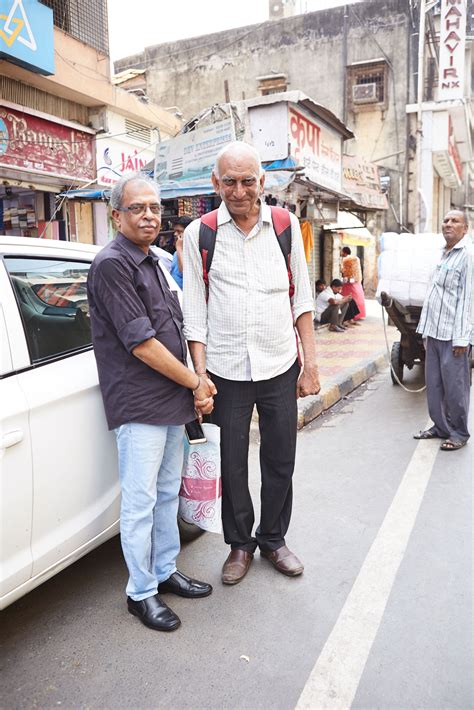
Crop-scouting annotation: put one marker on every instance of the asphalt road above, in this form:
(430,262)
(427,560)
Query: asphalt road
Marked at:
(381,618)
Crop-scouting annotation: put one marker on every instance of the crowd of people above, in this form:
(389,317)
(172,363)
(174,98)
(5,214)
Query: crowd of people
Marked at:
(238,320)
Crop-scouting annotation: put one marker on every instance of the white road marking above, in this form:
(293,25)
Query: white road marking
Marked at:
(334,680)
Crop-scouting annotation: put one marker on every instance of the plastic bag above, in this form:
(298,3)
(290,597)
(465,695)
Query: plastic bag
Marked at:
(200,497)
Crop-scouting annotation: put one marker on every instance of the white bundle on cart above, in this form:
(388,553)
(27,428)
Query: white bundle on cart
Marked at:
(406,265)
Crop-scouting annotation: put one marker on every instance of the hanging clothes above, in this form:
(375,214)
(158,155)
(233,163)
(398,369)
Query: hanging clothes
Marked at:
(308,240)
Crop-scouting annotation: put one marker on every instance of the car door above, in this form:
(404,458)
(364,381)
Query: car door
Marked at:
(75,474)
(16,482)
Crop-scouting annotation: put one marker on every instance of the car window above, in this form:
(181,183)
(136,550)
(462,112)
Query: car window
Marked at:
(52,299)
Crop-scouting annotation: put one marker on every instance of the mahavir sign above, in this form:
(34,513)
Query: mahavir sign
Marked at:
(27,35)
(452,41)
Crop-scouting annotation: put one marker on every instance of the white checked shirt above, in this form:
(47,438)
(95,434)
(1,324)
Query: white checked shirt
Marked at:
(448,307)
(247,324)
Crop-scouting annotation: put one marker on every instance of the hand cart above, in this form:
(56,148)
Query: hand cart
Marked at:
(409,351)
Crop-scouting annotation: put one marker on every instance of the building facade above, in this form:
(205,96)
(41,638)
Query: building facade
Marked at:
(361,61)
(64,126)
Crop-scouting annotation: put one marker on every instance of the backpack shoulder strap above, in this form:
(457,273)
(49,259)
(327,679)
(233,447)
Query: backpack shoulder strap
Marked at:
(282,227)
(207,241)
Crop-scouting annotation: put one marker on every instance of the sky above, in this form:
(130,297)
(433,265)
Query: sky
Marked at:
(142,23)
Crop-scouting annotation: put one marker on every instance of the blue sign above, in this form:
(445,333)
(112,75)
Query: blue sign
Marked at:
(27,35)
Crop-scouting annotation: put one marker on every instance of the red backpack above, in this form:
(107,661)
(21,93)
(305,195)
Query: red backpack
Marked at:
(207,240)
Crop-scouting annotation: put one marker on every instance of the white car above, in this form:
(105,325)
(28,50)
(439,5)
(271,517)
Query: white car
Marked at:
(60,494)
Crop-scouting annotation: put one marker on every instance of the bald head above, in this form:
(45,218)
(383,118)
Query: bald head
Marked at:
(238,151)
(238,178)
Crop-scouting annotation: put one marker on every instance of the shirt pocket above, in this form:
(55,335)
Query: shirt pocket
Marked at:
(448,277)
(272,275)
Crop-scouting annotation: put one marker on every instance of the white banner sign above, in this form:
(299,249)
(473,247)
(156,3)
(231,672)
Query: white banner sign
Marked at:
(452,40)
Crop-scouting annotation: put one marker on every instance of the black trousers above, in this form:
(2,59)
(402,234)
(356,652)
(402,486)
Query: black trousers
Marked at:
(276,405)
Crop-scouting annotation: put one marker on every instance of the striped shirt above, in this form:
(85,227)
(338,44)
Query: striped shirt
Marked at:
(448,307)
(247,324)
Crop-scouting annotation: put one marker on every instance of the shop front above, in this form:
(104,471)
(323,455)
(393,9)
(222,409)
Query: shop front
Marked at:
(40,157)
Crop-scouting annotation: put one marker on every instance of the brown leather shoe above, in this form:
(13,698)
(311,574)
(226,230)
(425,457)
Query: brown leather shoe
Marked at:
(236,566)
(284,560)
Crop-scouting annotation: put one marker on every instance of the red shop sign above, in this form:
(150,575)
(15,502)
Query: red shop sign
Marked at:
(31,143)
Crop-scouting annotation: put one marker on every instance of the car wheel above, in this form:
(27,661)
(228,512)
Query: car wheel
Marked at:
(187,531)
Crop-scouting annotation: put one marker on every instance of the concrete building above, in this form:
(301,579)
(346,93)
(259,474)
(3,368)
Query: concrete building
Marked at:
(361,61)
(63,124)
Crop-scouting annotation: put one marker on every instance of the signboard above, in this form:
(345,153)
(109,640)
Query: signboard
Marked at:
(269,130)
(445,153)
(37,145)
(361,181)
(452,40)
(27,35)
(317,148)
(190,158)
(117,159)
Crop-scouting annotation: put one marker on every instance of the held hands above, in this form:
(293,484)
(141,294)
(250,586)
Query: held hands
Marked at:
(203,396)
(308,382)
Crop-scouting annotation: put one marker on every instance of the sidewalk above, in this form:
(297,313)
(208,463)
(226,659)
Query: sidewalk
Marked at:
(346,360)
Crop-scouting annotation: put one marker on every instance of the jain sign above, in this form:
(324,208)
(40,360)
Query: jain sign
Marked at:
(26,35)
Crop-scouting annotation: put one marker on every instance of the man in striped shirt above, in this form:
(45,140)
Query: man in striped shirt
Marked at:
(446,324)
(243,337)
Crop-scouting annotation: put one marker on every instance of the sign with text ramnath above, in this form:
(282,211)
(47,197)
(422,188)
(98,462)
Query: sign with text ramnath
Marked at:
(27,35)
(317,148)
(452,40)
(36,145)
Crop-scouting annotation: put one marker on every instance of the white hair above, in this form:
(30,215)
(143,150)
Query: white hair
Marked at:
(116,194)
(238,148)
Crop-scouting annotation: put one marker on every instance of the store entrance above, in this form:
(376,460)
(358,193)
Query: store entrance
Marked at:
(27,213)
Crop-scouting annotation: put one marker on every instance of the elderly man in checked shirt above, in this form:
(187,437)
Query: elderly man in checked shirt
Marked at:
(243,337)
(446,324)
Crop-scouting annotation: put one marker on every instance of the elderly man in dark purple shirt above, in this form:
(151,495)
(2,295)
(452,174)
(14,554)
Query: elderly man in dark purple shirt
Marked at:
(148,391)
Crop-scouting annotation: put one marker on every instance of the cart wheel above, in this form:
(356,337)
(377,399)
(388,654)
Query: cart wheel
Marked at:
(396,363)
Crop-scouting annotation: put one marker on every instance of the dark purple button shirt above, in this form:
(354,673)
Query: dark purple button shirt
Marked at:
(130,302)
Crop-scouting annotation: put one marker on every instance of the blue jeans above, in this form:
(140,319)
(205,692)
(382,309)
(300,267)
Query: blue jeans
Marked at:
(150,462)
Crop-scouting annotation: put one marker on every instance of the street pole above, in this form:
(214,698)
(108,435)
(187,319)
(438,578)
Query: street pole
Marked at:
(419,118)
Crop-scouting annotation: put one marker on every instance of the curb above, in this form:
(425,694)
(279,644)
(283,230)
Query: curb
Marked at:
(311,407)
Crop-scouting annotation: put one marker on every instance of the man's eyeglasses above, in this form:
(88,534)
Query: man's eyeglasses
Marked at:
(155,208)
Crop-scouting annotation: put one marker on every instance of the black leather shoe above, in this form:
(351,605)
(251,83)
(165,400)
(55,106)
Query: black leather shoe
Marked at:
(154,613)
(184,586)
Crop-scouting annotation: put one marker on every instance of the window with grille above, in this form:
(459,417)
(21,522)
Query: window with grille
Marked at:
(367,85)
(85,20)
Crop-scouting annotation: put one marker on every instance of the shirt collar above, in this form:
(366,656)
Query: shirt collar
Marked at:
(462,242)
(223,214)
(132,250)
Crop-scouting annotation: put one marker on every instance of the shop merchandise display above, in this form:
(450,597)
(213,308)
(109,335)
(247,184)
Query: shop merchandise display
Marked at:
(194,206)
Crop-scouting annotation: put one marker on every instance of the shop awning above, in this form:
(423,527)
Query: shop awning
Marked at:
(351,229)
(278,178)
(87,194)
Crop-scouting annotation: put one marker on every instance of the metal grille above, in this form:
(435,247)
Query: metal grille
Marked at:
(86,20)
(368,74)
(138,131)
(25,95)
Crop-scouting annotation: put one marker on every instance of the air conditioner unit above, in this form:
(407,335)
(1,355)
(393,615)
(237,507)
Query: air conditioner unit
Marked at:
(364,93)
